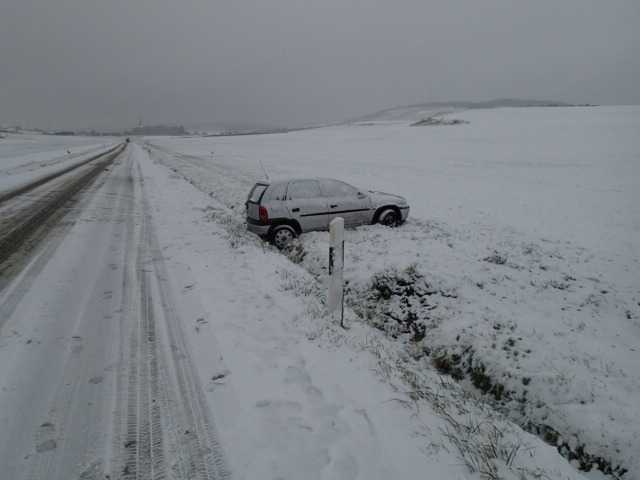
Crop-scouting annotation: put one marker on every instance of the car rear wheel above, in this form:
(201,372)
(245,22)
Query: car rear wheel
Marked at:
(389,218)
(282,236)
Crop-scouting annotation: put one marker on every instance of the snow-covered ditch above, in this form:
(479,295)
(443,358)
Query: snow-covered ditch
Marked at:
(533,329)
(544,360)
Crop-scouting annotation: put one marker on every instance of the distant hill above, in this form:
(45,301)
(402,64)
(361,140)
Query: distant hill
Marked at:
(419,111)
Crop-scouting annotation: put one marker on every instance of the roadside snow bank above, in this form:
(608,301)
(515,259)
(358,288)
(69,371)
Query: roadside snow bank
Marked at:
(291,399)
(297,396)
(536,327)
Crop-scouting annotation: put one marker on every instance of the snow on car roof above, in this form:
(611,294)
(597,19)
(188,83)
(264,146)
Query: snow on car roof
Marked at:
(294,179)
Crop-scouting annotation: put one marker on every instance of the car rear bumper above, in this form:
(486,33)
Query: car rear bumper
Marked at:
(257,228)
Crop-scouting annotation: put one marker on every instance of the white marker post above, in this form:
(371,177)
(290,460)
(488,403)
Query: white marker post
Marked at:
(335,299)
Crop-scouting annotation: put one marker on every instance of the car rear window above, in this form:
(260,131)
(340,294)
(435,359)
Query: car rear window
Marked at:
(256,192)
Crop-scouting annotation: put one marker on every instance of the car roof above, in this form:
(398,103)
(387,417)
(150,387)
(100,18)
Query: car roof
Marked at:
(295,179)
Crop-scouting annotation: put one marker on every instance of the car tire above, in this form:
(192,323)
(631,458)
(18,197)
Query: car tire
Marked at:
(282,235)
(389,217)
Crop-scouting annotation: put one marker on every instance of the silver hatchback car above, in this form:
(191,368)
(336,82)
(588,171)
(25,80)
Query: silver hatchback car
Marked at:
(280,211)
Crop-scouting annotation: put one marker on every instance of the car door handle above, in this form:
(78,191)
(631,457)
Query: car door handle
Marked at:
(295,209)
(333,206)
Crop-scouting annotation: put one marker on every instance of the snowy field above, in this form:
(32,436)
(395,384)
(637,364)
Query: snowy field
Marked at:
(26,156)
(522,252)
(18,149)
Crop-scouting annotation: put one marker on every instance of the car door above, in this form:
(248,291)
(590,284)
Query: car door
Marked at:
(346,201)
(307,205)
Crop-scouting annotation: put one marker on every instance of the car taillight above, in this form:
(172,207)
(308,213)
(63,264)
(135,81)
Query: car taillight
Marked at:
(263,214)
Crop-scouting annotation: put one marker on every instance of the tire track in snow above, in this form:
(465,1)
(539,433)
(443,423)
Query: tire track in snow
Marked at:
(202,453)
(139,441)
(78,409)
(168,430)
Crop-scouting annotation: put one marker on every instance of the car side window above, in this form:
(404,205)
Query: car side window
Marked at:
(335,188)
(276,192)
(303,189)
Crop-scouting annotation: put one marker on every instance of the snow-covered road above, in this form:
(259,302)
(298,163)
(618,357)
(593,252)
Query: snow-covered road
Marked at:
(95,374)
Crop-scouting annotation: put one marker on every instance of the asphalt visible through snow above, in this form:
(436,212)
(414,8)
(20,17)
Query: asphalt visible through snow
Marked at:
(28,212)
(96,378)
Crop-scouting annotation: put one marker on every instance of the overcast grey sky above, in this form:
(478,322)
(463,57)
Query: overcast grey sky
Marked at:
(103,63)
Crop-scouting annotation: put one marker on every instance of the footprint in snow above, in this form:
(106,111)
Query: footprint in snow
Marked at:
(94,471)
(76,346)
(46,446)
(343,467)
(220,376)
(297,375)
(45,440)
(280,406)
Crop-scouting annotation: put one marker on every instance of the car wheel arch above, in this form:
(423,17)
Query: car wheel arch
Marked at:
(277,222)
(379,210)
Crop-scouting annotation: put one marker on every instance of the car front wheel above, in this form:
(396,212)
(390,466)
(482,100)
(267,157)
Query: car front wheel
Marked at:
(389,218)
(282,235)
